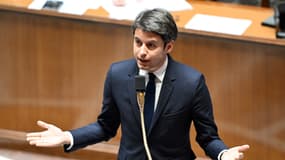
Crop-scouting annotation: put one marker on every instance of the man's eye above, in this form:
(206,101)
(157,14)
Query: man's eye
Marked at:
(151,46)
(138,42)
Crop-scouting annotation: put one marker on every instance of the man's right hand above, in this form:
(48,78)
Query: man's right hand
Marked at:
(51,137)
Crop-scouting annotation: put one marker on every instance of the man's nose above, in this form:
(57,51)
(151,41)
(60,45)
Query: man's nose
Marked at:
(143,50)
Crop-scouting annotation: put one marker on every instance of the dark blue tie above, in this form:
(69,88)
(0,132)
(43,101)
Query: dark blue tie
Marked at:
(149,100)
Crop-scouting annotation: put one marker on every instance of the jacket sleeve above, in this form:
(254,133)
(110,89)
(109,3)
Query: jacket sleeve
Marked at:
(106,125)
(207,132)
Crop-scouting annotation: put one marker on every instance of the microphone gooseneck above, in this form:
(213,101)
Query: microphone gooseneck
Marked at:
(140,89)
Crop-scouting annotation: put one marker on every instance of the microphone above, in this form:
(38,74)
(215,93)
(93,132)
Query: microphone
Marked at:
(140,89)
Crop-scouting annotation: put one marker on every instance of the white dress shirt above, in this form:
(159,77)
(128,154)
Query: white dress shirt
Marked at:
(159,74)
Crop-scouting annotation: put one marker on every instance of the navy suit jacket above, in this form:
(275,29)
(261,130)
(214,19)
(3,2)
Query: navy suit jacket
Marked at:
(184,98)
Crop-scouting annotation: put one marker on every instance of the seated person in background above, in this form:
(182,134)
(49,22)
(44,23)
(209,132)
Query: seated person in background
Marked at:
(119,2)
(248,2)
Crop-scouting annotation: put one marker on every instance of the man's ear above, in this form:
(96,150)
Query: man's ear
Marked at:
(169,46)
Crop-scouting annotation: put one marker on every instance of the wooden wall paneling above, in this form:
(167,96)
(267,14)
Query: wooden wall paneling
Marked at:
(53,68)
(246,84)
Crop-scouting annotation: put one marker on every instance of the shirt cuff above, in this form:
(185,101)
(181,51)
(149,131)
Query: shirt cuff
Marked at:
(221,153)
(71,141)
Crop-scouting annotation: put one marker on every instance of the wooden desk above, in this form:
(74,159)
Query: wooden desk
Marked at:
(53,66)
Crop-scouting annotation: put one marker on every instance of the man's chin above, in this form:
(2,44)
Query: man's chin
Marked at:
(143,68)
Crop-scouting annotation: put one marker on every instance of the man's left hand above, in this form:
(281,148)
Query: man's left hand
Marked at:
(235,153)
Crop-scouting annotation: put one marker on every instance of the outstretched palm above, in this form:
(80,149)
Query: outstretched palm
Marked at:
(51,137)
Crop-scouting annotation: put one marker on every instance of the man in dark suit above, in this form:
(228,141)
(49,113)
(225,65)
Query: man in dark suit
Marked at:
(181,97)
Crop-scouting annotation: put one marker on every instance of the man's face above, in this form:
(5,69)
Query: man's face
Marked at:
(149,50)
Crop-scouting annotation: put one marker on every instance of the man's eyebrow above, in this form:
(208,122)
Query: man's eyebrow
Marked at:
(152,41)
(149,41)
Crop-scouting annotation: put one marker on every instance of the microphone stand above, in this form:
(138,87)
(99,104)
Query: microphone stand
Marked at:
(140,99)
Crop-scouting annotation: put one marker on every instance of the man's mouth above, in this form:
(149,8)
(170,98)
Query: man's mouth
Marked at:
(143,60)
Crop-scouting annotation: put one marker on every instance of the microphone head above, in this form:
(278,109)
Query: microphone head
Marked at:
(140,83)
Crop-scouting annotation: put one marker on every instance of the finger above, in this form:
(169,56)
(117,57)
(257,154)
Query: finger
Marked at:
(45,142)
(241,155)
(40,143)
(34,134)
(243,148)
(33,138)
(33,142)
(43,124)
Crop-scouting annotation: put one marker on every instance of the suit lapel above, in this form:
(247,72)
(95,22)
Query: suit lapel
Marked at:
(165,93)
